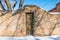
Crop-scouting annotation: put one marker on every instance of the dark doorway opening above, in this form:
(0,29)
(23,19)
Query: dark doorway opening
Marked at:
(30,23)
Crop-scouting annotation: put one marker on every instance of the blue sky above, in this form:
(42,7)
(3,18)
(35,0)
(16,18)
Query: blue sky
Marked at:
(44,4)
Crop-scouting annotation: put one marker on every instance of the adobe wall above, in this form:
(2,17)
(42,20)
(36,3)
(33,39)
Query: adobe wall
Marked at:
(45,24)
(15,25)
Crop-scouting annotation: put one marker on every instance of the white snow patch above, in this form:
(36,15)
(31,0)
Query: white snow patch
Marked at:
(57,37)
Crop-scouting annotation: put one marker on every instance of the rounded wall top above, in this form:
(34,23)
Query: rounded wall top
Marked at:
(30,8)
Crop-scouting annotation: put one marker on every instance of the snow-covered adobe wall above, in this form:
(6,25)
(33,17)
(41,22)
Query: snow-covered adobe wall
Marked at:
(19,23)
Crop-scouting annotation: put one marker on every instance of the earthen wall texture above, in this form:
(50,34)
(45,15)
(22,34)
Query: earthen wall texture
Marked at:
(15,25)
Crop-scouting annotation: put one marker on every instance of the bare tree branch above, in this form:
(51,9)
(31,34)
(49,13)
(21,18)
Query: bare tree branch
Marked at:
(14,4)
(1,6)
(21,4)
(8,5)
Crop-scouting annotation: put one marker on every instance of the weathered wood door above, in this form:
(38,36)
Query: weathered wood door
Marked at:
(29,23)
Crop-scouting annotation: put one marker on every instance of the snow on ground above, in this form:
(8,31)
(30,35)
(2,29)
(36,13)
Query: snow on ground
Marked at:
(31,38)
